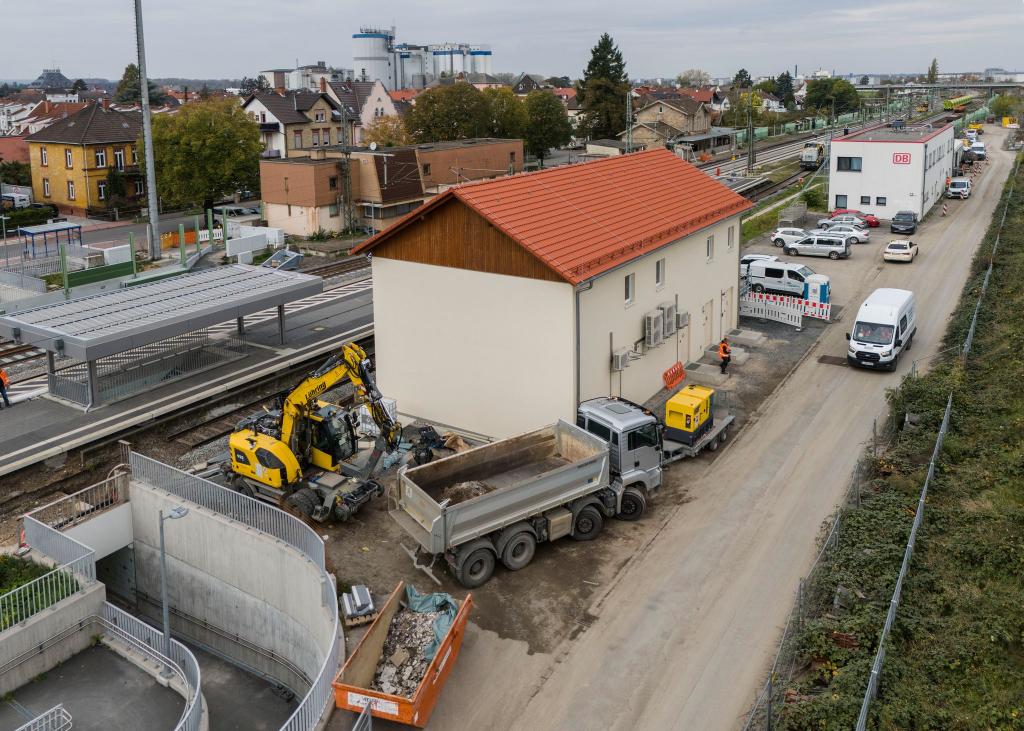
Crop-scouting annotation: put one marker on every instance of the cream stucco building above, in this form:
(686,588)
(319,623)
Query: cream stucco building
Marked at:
(498,306)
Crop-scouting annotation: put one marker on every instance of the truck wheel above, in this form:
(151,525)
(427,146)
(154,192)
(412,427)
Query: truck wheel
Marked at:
(724,435)
(476,569)
(302,502)
(633,505)
(519,551)
(588,524)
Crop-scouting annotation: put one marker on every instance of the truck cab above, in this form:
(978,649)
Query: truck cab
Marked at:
(634,436)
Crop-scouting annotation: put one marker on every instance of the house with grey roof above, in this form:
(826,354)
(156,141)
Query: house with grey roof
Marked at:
(295,122)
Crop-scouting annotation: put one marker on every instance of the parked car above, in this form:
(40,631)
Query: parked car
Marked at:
(853,234)
(783,236)
(848,218)
(971,134)
(959,188)
(745,261)
(904,222)
(779,277)
(821,244)
(900,250)
(869,218)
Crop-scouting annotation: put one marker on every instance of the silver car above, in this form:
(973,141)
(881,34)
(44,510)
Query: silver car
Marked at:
(827,223)
(851,233)
(782,236)
(820,244)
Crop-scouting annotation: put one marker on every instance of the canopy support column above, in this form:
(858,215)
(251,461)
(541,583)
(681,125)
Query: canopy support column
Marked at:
(94,384)
(280,322)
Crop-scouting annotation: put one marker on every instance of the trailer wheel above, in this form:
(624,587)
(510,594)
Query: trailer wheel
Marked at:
(633,505)
(519,551)
(476,569)
(713,445)
(588,524)
(724,435)
(302,502)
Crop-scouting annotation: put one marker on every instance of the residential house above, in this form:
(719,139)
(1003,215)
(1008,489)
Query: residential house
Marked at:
(529,82)
(305,78)
(342,187)
(73,157)
(610,148)
(479,80)
(295,122)
(664,117)
(13,149)
(770,102)
(583,268)
(715,100)
(46,113)
(405,95)
(361,102)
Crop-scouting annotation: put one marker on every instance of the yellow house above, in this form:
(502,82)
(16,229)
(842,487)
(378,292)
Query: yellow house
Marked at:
(73,158)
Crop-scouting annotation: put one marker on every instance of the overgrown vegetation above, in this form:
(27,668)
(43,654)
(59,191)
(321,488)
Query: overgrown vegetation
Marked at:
(17,572)
(28,216)
(955,659)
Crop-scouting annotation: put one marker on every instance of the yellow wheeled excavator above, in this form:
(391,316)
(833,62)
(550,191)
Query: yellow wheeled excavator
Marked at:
(298,454)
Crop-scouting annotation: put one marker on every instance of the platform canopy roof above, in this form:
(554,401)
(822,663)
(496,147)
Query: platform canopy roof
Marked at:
(113,322)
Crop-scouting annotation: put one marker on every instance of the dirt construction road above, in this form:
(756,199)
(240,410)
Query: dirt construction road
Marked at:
(683,637)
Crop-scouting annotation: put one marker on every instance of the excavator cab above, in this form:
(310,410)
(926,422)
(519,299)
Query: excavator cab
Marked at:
(333,439)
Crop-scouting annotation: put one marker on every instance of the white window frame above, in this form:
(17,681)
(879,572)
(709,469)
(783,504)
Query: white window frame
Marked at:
(69,159)
(46,187)
(140,189)
(135,155)
(732,236)
(44,158)
(71,190)
(659,273)
(319,116)
(119,158)
(101,190)
(709,250)
(630,289)
(101,158)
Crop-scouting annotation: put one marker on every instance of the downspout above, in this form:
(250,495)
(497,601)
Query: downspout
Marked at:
(582,287)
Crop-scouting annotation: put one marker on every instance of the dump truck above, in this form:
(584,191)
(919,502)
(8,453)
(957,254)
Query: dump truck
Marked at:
(352,687)
(812,155)
(496,502)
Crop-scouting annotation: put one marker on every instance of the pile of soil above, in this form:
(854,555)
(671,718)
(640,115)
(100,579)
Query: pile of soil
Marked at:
(460,492)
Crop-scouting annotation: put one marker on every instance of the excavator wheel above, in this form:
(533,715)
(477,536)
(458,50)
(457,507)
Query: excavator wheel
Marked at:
(378,489)
(302,501)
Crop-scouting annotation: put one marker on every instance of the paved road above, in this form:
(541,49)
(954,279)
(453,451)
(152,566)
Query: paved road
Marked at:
(684,636)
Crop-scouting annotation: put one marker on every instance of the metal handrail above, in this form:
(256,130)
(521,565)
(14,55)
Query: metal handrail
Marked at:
(55,719)
(69,510)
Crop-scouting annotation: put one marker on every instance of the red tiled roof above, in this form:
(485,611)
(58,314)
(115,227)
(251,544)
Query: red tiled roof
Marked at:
(582,220)
(403,95)
(700,95)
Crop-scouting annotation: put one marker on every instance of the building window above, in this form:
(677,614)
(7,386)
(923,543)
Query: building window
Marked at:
(69,160)
(44,159)
(333,210)
(297,139)
(732,236)
(848,164)
(630,288)
(316,138)
(338,135)
(840,201)
(101,187)
(119,158)
(263,117)
(865,200)
(880,200)
(135,155)
(101,158)
(71,190)
(710,246)
(512,156)
(426,168)
(659,273)
(325,135)
(319,115)
(46,187)
(139,188)
(332,182)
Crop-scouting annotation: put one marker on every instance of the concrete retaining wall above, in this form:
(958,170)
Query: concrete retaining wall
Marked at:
(35,645)
(240,592)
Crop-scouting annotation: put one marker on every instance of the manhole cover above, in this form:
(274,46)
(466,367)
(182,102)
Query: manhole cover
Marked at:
(832,360)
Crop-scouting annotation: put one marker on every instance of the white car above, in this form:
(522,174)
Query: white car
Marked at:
(745,261)
(852,234)
(782,236)
(900,250)
(826,224)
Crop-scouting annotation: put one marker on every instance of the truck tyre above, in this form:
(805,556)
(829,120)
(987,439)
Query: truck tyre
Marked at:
(302,501)
(519,551)
(724,435)
(588,524)
(633,505)
(476,569)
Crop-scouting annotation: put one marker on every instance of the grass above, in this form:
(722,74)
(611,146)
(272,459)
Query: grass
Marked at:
(955,659)
(17,572)
(761,220)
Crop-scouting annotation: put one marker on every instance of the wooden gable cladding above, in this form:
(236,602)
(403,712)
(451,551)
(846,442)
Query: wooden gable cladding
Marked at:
(454,235)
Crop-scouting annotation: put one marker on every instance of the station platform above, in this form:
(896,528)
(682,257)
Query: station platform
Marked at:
(42,428)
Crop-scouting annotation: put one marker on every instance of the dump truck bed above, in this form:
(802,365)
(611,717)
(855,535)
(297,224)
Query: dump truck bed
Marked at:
(447,502)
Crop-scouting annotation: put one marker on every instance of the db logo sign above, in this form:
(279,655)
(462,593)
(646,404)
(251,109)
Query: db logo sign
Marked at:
(901,158)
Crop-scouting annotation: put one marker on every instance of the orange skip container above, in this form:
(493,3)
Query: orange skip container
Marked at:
(352,686)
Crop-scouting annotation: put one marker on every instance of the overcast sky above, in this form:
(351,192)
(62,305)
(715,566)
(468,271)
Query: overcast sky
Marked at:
(231,38)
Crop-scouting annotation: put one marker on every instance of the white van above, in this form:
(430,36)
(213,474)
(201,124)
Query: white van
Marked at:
(885,326)
(959,188)
(16,200)
(778,277)
(978,148)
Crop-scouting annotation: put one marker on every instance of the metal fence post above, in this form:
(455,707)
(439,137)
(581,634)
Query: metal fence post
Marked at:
(768,708)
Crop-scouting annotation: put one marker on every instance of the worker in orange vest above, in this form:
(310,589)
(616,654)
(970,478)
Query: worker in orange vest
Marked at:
(5,381)
(725,353)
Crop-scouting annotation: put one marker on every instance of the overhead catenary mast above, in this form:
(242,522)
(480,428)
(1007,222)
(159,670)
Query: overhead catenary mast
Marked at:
(147,140)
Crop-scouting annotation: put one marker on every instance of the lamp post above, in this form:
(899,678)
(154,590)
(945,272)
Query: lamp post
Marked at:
(174,514)
(3,222)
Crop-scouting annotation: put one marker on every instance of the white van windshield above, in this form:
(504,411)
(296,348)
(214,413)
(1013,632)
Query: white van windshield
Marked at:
(873,333)
(804,272)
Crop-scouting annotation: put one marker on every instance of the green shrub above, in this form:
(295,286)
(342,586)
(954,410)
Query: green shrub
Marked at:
(29,216)
(814,198)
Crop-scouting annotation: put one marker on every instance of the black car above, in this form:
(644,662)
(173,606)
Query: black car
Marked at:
(904,222)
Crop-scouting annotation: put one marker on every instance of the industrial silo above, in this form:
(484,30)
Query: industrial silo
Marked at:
(373,55)
(480,58)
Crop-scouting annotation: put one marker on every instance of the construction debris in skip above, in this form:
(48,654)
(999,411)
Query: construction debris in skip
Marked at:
(402,665)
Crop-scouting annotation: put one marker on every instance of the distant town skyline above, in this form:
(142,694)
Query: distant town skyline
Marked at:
(231,39)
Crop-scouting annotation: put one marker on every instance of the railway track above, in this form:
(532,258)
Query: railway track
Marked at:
(17,353)
(336,268)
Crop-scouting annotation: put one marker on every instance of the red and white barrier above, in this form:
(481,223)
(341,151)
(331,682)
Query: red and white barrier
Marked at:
(818,310)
